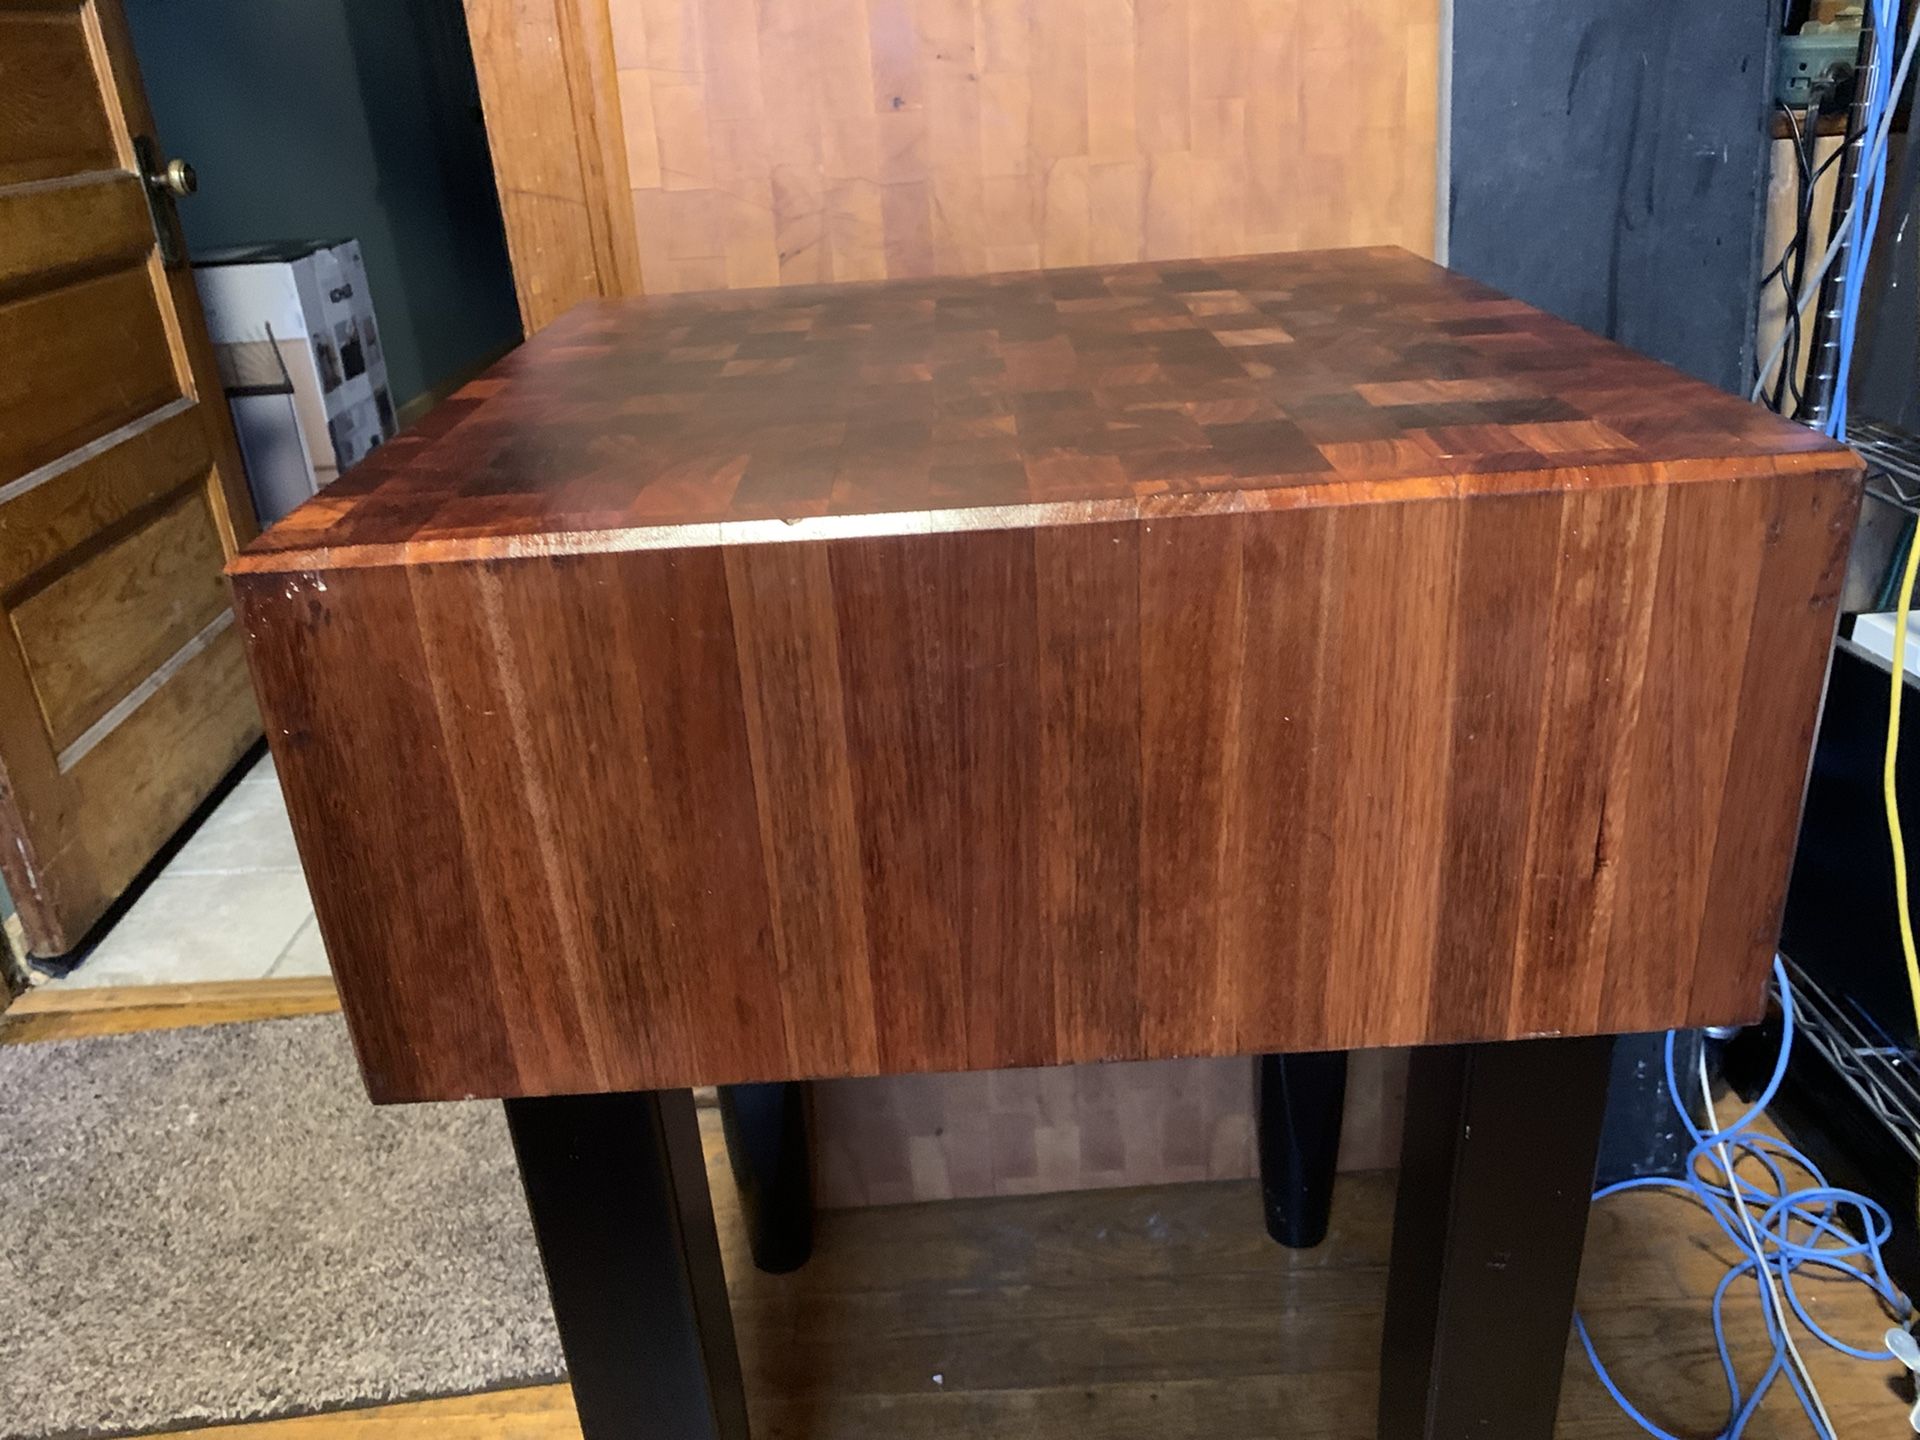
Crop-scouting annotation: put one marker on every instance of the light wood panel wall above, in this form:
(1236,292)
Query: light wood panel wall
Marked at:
(773,142)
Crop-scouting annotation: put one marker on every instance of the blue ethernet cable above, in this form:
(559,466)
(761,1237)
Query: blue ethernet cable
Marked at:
(1798,1228)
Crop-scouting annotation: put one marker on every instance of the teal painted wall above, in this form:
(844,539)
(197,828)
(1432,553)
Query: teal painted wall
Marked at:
(312,119)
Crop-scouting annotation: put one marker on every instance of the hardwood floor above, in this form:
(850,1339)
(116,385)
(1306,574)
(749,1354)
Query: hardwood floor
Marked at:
(1151,1314)
(1156,1314)
(1147,1314)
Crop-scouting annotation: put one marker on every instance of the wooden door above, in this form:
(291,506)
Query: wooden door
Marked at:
(123,692)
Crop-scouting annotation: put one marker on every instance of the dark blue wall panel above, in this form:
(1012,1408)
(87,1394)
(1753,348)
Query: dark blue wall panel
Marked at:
(310,119)
(1608,164)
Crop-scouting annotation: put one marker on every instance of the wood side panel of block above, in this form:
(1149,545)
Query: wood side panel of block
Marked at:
(1363,774)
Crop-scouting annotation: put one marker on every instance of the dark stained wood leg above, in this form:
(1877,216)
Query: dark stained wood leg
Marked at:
(1300,1099)
(1495,1176)
(617,1186)
(768,1147)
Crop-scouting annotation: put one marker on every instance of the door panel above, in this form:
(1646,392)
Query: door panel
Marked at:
(109,622)
(123,693)
(133,777)
(82,359)
(89,220)
(53,118)
(98,486)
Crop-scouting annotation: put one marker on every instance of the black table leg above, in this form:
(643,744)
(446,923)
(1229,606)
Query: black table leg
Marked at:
(1299,1099)
(766,1128)
(1495,1176)
(618,1191)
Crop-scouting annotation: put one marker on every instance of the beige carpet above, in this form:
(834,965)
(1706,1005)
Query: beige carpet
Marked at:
(214,1224)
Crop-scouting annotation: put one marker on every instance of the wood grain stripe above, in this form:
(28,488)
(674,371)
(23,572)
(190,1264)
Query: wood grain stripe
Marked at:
(788,643)
(1224,784)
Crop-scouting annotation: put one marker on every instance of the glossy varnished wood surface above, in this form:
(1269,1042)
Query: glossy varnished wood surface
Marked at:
(1424,670)
(1107,393)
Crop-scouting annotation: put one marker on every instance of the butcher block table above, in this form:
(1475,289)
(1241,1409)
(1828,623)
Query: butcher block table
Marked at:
(1261,656)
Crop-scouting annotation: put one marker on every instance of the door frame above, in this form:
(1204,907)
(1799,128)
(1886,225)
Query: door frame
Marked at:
(562,177)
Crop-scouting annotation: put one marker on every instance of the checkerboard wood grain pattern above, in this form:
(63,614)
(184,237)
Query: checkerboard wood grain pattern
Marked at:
(911,1138)
(1282,653)
(1126,391)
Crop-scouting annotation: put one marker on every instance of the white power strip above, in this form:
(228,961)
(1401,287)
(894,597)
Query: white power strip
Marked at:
(1907,1351)
(1874,634)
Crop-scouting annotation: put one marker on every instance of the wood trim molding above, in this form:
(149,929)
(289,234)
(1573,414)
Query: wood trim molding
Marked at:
(587,32)
(61,1013)
(560,170)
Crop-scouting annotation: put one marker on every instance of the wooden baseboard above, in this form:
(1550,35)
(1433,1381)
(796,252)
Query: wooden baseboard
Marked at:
(60,1013)
(543,1412)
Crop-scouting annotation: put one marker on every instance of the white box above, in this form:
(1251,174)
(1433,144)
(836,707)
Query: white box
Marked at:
(299,355)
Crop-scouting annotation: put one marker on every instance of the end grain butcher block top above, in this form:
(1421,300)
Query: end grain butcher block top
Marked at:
(1171,659)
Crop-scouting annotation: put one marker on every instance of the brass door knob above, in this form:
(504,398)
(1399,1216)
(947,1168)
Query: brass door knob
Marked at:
(176,177)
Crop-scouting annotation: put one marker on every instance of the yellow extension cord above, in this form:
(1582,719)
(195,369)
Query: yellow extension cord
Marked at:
(1895,690)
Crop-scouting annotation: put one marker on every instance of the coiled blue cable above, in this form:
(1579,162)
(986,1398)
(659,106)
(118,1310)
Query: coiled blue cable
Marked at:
(1798,1229)
(1815,1209)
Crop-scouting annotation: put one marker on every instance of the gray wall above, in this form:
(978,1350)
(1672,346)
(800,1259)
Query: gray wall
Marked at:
(321,118)
(1607,163)
(1886,354)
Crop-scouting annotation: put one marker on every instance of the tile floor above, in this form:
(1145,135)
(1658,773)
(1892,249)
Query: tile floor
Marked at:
(231,904)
